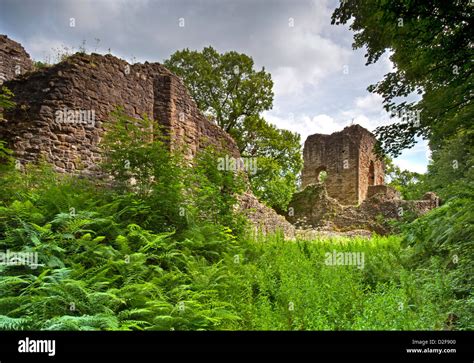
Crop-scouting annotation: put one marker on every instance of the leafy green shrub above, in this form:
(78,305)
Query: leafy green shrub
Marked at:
(139,159)
(443,240)
(213,192)
(158,188)
(451,174)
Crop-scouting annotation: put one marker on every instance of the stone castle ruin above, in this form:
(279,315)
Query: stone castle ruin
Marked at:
(353,195)
(349,161)
(61,112)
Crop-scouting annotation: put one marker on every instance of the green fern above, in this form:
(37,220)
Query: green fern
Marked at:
(84,322)
(7,323)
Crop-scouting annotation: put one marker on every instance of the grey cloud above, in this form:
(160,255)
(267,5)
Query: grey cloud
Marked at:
(306,61)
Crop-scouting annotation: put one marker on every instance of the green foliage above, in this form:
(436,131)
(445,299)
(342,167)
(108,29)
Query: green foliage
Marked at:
(5,153)
(157,187)
(5,99)
(136,153)
(95,274)
(52,192)
(224,86)
(288,286)
(213,192)
(443,242)
(323,175)
(5,103)
(451,174)
(278,160)
(40,65)
(117,256)
(410,184)
(431,50)
(228,89)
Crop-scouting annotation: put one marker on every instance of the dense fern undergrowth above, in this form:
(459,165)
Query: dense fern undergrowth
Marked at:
(170,252)
(99,270)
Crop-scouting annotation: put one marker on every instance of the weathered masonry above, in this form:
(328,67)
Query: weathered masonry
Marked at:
(349,161)
(14,60)
(61,112)
(353,195)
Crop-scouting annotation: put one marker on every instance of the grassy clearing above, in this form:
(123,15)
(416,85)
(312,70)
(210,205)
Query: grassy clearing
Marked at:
(289,286)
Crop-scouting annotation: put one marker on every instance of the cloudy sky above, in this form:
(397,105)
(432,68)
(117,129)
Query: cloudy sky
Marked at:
(319,81)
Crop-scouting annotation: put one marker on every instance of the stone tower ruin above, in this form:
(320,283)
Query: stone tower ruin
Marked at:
(348,159)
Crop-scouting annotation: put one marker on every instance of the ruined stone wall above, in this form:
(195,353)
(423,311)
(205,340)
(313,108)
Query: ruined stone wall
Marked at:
(313,208)
(14,60)
(175,109)
(383,189)
(91,86)
(336,155)
(265,219)
(95,85)
(346,156)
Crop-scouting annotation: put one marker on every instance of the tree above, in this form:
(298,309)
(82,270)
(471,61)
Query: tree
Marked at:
(277,154)
(137,156)
(431,47)
(228,89)
(451,174)
(159,188)
(224,86)
(410,184)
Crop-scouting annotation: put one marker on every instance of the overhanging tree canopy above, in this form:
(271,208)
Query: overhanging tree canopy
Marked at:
(433,53)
